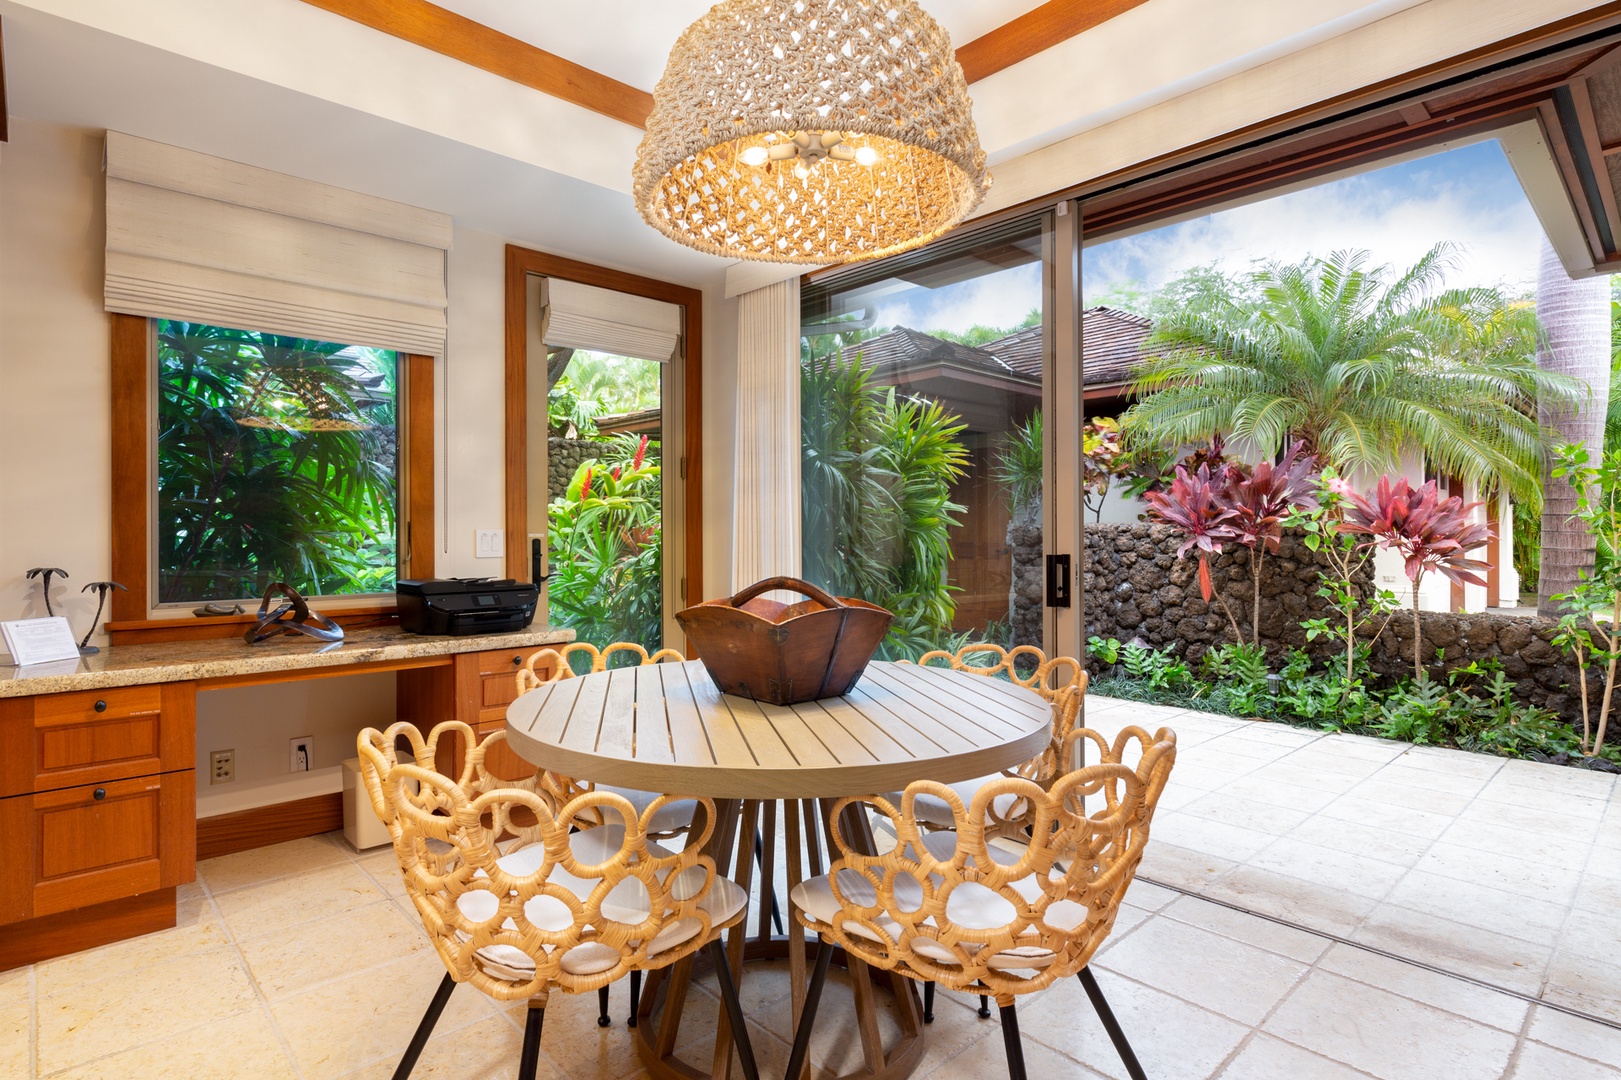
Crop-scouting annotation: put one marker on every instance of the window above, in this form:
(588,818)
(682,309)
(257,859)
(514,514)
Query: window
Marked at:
(277,459)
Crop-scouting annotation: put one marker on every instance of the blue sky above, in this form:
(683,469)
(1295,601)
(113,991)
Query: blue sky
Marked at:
(1468,196)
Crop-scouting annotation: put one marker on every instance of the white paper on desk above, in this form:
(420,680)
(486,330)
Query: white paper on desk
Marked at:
(39,641)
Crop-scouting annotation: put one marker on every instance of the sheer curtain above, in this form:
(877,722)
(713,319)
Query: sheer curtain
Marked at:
(766,517)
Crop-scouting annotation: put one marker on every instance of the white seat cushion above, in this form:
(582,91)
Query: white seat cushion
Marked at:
(971,906)
(672,816)
(627,902)
(935,811)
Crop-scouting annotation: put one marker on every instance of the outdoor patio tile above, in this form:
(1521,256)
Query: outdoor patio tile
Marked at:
(1599,894)
(1392,1037)
(1232,810)
(1478,905)
(1275,734)
(1605,859)
(1541,775)
(1452,946)
(1578,804)
(1385,845)
(1277,793)
(1538,1062)
(1589,984)
(1266,1058)
(1197,965)
(1411,795)
(1592,933)
(1362,810)
(1456,762)
(1232,764)
(1533,819)
(1466,999)
(1189,775)
(1182,867)
(1363,746)
(1517,873)
(1432,779)
(1174,1040)
(1324,908)
(1250,929)
(1574,1035)
(1553,850)
(1290,771)
(1356,874)
(1329,756)
(1176,796)
(1214,837)
(1150,897)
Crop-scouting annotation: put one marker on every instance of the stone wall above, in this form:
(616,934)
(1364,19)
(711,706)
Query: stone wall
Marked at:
(1025,594)
(1136,588)
(563,457)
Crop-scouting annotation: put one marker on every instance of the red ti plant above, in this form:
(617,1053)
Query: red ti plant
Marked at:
(1194,506)
(1430,533)
(1260,499)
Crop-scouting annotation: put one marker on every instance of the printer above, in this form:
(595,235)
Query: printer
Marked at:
(457,606)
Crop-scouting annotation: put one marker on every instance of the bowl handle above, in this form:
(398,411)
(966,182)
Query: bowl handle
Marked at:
(792,584)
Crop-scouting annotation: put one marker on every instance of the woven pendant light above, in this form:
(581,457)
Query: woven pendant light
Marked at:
(810,131)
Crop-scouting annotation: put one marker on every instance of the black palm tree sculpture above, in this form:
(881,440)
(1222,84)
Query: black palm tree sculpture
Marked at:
(102,589)
(48,572)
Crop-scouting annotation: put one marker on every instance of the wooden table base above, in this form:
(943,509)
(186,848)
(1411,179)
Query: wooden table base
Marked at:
(732,847)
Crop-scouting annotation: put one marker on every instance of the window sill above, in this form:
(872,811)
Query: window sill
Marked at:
(152,631)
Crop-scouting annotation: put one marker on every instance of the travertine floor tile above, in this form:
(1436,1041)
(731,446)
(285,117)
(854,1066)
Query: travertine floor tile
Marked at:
(1250,929)
(1225,976)
(1266,1058)
(157,1003)
(197,929)
(242,1045)
(278,905)
(16,1034)
(1491,957)
(1389,1036)
(1454,995)
(1538,1062)
(264,864)
(331,948)
(1584,1038)
(1304,903)
(1331,867)
(486,1050)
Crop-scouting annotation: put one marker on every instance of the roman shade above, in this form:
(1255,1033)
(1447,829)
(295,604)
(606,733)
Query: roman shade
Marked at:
(577,316)
(199,238)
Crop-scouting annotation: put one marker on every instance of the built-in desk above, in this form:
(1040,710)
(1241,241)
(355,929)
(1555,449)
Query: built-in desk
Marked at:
(98,789)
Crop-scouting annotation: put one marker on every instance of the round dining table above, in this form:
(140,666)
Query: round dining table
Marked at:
(666,728)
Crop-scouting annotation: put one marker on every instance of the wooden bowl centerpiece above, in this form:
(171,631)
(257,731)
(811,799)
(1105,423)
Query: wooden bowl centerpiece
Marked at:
(785,653)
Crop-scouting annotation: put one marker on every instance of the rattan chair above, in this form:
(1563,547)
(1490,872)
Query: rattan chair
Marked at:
(519,902)
(982,914)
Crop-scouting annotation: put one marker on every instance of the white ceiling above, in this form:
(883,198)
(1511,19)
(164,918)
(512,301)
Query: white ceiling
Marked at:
(285,85)
(644,30)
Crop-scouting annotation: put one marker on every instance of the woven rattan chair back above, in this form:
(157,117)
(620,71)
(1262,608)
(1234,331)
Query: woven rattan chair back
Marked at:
(1047,677)
(454,837)
(965,910)
(561,659)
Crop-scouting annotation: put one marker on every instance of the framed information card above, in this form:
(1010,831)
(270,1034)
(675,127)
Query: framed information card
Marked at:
(39,641)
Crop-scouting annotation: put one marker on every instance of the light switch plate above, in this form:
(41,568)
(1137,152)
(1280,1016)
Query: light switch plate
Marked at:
(489,543)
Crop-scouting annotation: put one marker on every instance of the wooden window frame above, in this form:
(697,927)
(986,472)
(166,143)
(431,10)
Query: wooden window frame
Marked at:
(521,262)
(133,490)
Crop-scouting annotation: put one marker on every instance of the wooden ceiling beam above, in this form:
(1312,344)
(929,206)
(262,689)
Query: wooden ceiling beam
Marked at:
(460,38)
(1035,31)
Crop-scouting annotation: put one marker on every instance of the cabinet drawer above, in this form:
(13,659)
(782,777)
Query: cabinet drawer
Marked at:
(92,737)
(497,680)
(501,759)
(98,842)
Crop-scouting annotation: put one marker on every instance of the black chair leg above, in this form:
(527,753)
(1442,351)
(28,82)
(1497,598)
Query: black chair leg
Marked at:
(734,1010)
(1010,1041)
(928,1003)
(759,860)
(529,1063)
(813,997)
(602,1007)
(984,1007)
(1133,1068)
(635,996)
(424,1029)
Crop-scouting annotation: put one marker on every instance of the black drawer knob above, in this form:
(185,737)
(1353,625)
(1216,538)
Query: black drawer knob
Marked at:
(516,661)
(101,706)
(101,793)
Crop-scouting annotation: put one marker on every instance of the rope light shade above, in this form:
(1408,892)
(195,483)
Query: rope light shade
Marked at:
(810,131)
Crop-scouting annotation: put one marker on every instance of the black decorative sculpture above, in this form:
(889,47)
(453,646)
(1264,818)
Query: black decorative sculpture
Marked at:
(48,572)
(102,589)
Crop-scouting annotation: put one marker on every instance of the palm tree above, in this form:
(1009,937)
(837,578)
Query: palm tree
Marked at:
(1576,317)
(1357,366)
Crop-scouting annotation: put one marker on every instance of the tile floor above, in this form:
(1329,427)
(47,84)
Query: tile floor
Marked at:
(302,960)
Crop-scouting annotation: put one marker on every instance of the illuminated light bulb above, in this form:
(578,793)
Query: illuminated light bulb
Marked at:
(866,155)
(801,170)
(754,155)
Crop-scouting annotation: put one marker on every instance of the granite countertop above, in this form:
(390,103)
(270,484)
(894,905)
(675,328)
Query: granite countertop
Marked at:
(180,661)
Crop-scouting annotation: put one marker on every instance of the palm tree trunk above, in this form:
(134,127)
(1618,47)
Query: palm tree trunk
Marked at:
(1575,317)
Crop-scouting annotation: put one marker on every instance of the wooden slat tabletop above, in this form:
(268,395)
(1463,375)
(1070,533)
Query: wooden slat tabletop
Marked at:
(666,728)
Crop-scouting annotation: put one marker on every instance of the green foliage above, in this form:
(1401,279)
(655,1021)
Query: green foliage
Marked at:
(568,416)
(975,336)
(1019,463)
(1591,627)
(605,541)
(1105,650)
(1319,530)
(1160,669)
(1359,364)
(276,462)
(876,478)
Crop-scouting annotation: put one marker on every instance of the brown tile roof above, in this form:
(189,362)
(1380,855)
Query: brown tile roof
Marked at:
(904,347)
(1111,342)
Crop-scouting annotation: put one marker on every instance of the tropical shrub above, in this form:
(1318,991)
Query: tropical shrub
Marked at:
(876,477)
(1194,508)
(1590,628)
(1019,463)
(605,541)
(1430,533)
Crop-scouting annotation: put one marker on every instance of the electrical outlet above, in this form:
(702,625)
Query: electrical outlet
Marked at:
(489,543)
(222,766)
(303,749)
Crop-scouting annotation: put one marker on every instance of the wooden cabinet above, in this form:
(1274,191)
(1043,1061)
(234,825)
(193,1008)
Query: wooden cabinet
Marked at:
(99,797)
(476,690)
